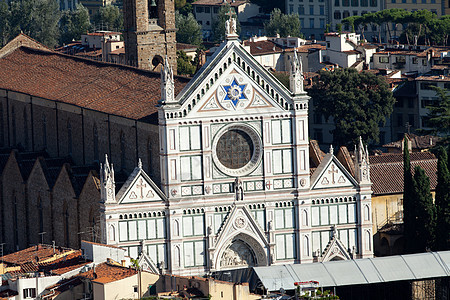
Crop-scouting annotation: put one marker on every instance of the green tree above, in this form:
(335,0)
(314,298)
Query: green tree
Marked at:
(282,24)
(358,102)
(183,7)
(442,202)
(425,212)
(439,116)
(218,24)
(109,17)
(189,31)
(4,23)
(184,64)
(409,209)
(74,23)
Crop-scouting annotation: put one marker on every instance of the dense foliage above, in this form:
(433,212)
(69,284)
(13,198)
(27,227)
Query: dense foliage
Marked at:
(439,116)
(74,23)
(282,24)
(442,201)
(358,102)
(189,31)
(218,24)
(184,64)
(43,21)
(424,24)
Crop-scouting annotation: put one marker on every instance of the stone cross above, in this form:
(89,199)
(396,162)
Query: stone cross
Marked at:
(332,172)
(141,186)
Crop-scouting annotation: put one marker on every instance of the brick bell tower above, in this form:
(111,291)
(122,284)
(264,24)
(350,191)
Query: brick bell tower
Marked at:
(150,33)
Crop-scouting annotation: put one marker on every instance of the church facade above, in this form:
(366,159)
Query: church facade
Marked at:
(236,187)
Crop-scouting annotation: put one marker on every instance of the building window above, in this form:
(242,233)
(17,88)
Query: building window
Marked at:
(427,85)
(322,10)
(69,138)
(346,3)
(122,150)
(322,23)
(191,168)
(29,293)
(193,225)
(25,128)
(355,3)
(190,138)
(393,1)
(207,10)
(302,23)
(95,134)
(285,244)
(336,2)
(291,8)
(282,161)
(415,60)
(346,14)
(355,12)
(284,218)
(194,253)
(414,2)
(364,3)
(40,210)
(14,128)
(383,59)
(301,10)
(2,127)
(44,131)
(373,3)
(281,131)
(216,10)
(399,120)
(337,15)
(424,1)
(311,23)
(311,9)
(199,9)
(424,62)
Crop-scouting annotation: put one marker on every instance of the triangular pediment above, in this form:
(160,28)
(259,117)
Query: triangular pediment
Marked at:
(233,83)
(331,174)
(139,188)
(335,250)
(147,264)
(240,220)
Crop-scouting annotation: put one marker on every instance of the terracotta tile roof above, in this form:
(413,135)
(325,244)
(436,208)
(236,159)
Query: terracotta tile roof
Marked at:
(183,46)
(387,172)
(41,252)
(263,47)
(307,48)
(8,294)
(117,51)
(417,142)
(443,78)
(220,2)
(105,273)
(110,88)
(398,157)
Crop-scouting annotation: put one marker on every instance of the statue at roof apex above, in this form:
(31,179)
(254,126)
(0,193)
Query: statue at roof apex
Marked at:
(230,25)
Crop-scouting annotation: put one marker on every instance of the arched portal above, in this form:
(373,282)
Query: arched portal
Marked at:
(241,251)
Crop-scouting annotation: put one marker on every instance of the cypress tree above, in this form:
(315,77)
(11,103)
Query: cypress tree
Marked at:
(442,202)
(426,212)
(409,213)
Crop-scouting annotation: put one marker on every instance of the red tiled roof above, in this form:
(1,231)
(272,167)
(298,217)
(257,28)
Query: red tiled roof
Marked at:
(306,48)
(41,252)
(183,46)
(417,142)
(263,47)
(7,294)
(387,173)
(434,78)
(110,88)
(105,273)
(104,245)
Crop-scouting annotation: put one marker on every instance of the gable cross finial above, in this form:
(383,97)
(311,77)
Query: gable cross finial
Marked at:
(107,182)
(230,25)
(362,162)
(296,74)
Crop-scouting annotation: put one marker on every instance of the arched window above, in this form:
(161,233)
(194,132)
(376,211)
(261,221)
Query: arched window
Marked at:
(66,224)
(25,128)
(305,245)
(305,217)
(177,257)
(69,138)
(2,127)
(122,150)
(15,221)
(95,134)
(14,129)
(368,240)
(112,233)
(44,131)
(149,157)
(176,228)
(366,213)
(40,210)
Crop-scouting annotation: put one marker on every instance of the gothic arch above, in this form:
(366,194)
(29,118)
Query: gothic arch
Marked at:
(241,250)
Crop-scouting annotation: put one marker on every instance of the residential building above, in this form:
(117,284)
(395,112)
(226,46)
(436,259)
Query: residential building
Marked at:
(205,12)
(313,14)
(427,96)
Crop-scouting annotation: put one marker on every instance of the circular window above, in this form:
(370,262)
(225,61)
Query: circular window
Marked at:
(234,149)
(237,149)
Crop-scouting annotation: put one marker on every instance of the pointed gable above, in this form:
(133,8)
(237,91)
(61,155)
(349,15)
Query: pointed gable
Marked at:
(139,188)
(232,82)
(331,173)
